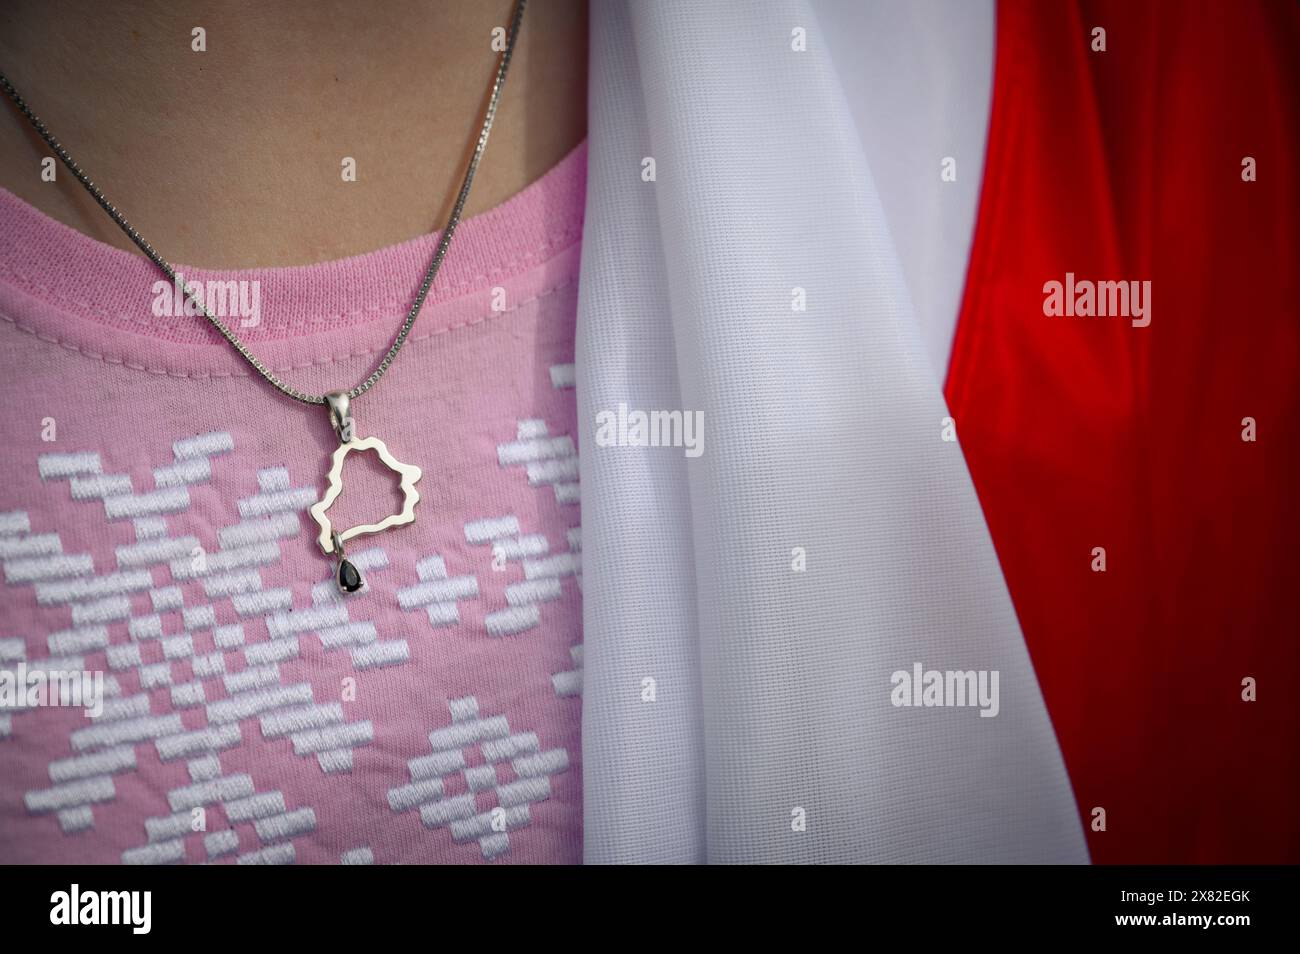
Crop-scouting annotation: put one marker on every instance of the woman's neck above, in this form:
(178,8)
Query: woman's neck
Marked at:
(234,157)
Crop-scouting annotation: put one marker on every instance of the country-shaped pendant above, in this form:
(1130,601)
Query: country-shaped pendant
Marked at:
(331,541)
(409,474)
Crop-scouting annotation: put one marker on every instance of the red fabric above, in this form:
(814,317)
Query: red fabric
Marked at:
(1089,432)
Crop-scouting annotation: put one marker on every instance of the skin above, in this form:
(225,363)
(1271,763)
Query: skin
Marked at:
(231,158)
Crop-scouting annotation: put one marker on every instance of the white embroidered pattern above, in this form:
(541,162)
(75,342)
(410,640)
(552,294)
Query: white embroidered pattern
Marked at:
(253,695)
(508,807)
(232,699)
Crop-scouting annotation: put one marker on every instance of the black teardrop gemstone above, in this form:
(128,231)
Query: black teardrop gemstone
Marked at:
(349,577)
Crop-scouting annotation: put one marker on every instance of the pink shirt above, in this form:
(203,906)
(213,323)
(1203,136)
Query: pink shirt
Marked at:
(153,526)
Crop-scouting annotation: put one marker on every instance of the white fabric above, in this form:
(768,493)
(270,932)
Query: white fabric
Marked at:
(771,688)
(918,77)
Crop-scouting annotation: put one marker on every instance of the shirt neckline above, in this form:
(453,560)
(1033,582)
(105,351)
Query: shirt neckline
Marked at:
(66,287)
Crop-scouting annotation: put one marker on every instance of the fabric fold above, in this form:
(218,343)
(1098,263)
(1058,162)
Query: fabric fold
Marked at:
(746,610)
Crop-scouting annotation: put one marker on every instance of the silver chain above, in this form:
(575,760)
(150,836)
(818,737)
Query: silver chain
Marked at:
(497,84)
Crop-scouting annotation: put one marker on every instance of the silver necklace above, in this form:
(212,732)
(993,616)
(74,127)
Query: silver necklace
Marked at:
(338,403)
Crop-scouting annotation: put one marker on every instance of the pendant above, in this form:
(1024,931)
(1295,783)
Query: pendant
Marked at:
(331,541)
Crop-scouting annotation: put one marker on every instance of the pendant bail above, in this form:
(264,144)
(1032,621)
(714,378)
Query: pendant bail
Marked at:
(340,408)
